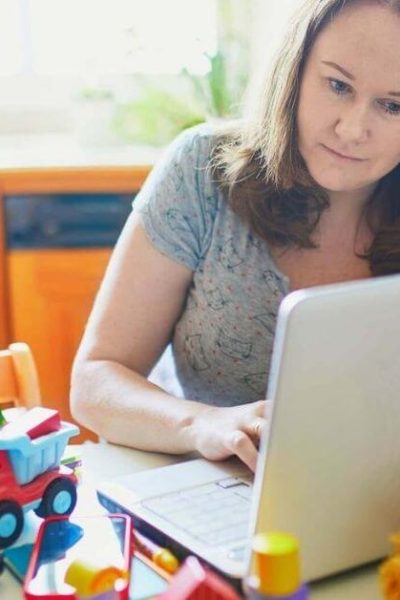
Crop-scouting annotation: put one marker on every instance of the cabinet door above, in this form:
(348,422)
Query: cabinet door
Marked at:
(51,295)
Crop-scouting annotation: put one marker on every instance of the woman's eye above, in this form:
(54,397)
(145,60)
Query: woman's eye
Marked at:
(338,87)
(392,108)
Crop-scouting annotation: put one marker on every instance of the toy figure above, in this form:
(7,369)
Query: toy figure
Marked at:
(276,568)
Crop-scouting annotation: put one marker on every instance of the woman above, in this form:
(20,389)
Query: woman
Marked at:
(303,193)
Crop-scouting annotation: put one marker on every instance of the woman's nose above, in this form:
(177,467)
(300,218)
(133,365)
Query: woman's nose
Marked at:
(353,124)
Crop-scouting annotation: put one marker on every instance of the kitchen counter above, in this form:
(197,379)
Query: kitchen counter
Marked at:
(59,163)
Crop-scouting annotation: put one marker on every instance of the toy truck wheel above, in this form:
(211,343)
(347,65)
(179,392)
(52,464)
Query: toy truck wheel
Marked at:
(59,498)
(11,522)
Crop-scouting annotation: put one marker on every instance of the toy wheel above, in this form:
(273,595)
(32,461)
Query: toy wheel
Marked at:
(11,522)
(59,498)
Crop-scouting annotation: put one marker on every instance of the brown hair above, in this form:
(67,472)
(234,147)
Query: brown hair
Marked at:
(259,164)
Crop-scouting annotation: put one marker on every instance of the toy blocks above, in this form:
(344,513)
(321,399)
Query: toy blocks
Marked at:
(35,422)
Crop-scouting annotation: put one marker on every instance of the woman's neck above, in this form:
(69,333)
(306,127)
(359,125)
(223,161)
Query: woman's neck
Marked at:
(350,204)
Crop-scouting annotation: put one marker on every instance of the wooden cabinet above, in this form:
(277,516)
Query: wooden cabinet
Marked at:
(46,293)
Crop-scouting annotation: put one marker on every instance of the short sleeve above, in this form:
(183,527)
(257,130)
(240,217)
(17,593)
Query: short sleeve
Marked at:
(178,202)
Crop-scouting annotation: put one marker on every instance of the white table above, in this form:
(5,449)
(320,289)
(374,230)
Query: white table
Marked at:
(105,460)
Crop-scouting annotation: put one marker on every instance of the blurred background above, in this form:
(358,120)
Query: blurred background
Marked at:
(122,71)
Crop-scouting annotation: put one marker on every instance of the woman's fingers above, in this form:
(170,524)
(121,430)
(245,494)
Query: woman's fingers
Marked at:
(244,441)
(256,428)
(259,407)
(263,408)
(220,432)
(239,443)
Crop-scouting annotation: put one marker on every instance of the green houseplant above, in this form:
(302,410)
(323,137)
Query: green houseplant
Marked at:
(159,112)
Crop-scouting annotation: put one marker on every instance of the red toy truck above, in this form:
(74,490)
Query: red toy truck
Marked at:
(31,477)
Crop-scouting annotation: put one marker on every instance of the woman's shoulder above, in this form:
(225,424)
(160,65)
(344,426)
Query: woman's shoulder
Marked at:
(200,141)
(180,200)
(202,133)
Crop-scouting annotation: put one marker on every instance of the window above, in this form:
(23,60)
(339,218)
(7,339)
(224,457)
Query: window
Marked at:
(52,49)
(75,37)
(11,38)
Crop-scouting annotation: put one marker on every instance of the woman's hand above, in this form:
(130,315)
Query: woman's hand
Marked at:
(219,432)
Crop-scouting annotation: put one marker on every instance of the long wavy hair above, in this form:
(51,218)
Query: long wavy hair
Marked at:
(259,165)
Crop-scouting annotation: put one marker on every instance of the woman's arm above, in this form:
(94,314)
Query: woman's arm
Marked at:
(139,302)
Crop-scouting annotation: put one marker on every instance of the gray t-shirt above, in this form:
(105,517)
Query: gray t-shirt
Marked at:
(223,339)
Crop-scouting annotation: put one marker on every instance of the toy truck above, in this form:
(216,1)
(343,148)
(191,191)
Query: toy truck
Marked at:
(31,477)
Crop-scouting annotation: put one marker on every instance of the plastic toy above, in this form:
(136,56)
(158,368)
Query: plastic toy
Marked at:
(389,571)
(74,462)
(31,477)
(276,568)
(160,556)
(75,558)
(193,581)
(36,422)
(90,579)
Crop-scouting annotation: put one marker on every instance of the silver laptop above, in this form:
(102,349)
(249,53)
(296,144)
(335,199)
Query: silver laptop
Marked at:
(329,463)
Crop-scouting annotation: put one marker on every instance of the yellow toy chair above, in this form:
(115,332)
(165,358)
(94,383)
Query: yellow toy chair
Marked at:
(19,382)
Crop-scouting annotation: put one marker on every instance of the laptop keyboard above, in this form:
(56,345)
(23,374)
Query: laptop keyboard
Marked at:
(215,513)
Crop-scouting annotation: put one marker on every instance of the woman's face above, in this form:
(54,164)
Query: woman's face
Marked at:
(348,118)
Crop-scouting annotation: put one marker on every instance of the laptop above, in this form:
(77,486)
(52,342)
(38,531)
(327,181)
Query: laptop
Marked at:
(329,461)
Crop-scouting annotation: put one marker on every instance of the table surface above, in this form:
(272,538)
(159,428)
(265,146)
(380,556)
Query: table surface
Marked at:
(102,461)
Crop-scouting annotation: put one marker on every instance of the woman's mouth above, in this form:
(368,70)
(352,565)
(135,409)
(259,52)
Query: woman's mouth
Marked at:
(340,156)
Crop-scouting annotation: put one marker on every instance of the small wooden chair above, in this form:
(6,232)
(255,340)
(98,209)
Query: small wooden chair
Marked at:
(19,381)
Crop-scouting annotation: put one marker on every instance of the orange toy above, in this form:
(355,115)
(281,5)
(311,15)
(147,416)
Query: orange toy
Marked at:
(90,579)
(389,571)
